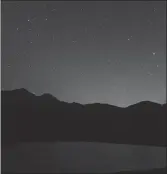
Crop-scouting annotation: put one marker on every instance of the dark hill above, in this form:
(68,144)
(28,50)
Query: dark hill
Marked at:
(26,117)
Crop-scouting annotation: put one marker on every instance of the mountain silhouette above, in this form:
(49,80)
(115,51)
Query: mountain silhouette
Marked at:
(30,118)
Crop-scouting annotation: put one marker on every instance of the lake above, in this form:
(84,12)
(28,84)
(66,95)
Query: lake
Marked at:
(81,157)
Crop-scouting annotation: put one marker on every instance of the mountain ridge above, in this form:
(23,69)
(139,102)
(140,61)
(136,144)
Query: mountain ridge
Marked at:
(27,117)
(48,95)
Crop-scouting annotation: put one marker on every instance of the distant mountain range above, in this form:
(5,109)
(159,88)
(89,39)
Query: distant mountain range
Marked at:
(26,117)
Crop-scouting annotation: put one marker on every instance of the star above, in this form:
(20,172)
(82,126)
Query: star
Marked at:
(28,20)
(129,38)
(157,66)
(30,42)
(153,53)
(17,29)
(154,9)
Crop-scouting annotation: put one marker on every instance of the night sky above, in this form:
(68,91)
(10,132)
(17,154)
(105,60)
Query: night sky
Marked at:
(86,52)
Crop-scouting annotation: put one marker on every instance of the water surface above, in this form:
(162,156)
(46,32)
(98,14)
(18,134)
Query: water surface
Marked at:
(81,157)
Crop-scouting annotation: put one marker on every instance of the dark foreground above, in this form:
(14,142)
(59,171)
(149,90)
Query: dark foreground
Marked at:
(81,157)
(153,171)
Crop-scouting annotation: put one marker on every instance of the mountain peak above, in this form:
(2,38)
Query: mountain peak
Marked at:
(18,92)
(145,104)
(22,90)
(48,96)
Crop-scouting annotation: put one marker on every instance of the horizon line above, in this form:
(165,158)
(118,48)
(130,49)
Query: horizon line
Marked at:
(147,101)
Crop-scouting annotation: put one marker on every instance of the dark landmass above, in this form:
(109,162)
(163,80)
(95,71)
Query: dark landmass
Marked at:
(30,118)
(153,171)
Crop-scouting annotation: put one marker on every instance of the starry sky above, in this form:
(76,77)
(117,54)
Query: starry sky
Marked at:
(93,51)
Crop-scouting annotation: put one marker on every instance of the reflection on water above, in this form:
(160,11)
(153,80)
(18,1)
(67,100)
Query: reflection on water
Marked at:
(81,157)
